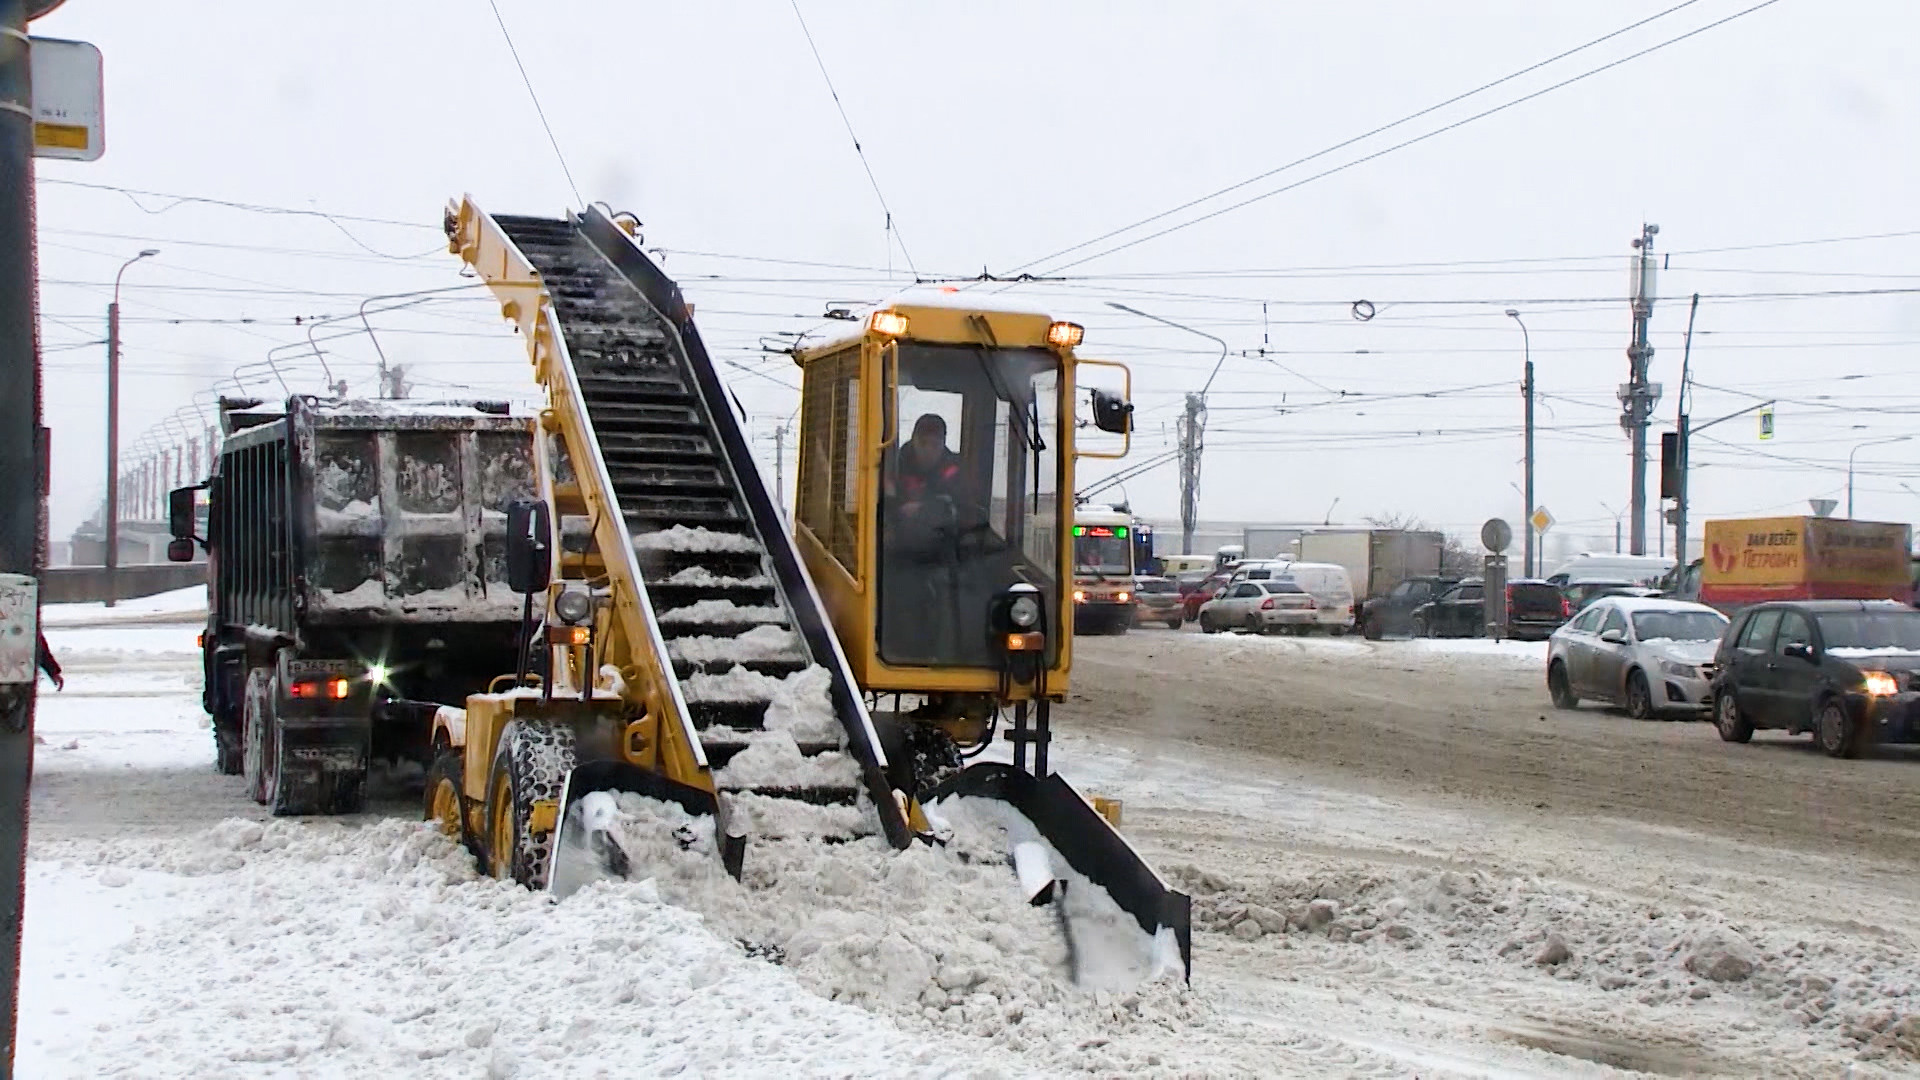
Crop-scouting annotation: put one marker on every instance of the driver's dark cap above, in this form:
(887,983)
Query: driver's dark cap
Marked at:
(930,424)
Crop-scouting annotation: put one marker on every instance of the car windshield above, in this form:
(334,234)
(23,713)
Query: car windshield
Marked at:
(1679,625)
(1870,631)
(1154,585)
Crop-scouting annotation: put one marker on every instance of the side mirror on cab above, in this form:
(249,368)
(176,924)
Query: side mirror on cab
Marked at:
(529,543)
(1799,650)
(182,507)
(1111,412)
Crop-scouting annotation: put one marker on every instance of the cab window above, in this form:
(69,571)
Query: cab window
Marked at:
(1589,620)
(1469,592)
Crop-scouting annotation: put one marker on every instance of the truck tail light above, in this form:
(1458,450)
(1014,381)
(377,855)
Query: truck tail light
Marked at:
(310,689)
(1566,608)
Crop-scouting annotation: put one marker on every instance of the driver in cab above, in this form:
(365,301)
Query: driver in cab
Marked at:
(924,484)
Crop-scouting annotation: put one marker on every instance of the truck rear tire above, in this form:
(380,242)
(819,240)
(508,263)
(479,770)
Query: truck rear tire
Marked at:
(529,767)
(256,725)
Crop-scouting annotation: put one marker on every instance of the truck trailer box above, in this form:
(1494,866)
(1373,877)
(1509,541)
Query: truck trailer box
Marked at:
(1749,561)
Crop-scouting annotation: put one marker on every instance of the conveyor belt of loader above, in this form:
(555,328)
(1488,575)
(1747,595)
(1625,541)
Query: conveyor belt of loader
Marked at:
(722,578)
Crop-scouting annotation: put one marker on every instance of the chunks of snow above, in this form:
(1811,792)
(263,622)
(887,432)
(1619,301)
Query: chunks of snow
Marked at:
(800,704)
(701,576)
(682,538)
(759,643)
(1721,954)
(708,612)
(773,759)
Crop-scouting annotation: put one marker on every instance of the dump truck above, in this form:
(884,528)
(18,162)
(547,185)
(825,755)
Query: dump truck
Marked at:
(1753,560)
(826,685)
(356,576)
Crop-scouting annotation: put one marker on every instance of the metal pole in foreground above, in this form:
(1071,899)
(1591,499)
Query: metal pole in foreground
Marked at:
(21,496)
(1637,396)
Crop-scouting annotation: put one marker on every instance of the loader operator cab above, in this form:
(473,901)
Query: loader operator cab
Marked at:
(968,499)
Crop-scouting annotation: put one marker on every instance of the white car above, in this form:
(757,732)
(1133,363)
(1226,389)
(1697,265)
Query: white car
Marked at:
(1650,656)
(1260,607)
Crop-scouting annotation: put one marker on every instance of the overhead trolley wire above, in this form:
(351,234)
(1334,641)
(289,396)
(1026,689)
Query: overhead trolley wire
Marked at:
(541,112)
(1402,144)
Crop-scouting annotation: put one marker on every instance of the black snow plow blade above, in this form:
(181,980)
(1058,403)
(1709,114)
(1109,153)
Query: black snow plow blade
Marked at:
(1088,843)
(589,848)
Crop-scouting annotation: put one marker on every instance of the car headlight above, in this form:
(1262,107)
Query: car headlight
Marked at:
(1679,671)
(1079,596)
(573,606)
(378,674)
(1125,596)
(1025,611)
(1880,684)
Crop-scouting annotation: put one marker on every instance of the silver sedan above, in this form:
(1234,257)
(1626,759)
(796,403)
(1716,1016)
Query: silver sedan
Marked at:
(1649,656)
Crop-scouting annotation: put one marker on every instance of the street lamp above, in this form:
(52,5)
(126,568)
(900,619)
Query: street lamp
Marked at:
(1191,426)
(1856,450)
(113,431)
(1526,388)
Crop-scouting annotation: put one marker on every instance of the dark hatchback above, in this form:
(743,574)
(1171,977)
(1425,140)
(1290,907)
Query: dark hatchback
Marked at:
(1846,671)
(1535,610)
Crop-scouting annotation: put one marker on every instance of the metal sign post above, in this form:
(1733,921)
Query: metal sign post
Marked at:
(1497,535)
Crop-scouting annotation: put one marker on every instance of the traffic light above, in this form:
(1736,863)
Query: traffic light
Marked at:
(1669,464)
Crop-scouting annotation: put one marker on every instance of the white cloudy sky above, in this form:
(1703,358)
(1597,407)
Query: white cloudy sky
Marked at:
(1002,132)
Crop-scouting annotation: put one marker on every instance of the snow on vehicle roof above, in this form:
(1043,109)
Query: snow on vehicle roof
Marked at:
(387,407)
(1633,605)
(920,296)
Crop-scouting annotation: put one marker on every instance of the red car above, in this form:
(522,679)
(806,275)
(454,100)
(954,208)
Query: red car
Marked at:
(1196,590)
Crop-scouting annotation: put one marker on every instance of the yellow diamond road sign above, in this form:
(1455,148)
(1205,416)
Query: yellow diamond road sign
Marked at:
(1541,520)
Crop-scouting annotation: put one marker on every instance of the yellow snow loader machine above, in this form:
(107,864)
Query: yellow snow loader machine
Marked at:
(684,646)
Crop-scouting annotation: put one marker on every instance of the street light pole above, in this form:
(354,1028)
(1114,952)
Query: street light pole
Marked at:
(113,431)
(1526,388)
(1856,450)
(1192,425)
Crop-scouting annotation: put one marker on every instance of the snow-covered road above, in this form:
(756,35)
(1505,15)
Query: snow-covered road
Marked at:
(173,930)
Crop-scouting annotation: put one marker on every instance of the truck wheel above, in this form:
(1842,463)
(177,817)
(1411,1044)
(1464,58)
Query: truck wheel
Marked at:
(1639,696)
(445,802)
(229,753)
(1835,731)
(1560,688)
(256,725)
(531,763)
(1731,720)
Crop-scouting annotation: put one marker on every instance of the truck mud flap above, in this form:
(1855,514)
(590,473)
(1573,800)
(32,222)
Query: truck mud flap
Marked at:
(1085,839)
(586,850)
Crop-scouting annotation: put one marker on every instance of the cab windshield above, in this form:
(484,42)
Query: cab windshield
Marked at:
(970,499)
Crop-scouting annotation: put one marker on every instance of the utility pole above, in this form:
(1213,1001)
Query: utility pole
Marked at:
(1637,395)
(1192,430)
(780,465)
(113,431)
(1530,567)
(22,494)
(1683,405)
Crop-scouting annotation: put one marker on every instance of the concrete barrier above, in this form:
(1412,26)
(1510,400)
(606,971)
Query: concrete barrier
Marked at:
(88,584)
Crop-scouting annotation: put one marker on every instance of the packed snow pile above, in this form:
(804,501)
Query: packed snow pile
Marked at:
(1653,955)
(710,612)
(701,576)
(317,948)
(938,938)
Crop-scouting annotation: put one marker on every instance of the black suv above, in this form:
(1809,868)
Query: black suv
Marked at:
(1535,610)
(1392,611)
(1844,670)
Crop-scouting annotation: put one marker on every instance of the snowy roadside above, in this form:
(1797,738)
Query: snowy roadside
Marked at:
(180,605)
(1412,654)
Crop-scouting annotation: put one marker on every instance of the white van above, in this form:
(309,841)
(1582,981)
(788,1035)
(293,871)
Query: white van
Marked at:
(1331,589)
(1180,564)
(1590,568)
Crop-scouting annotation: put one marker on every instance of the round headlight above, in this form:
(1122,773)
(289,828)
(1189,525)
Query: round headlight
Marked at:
(573,606)
(1024,612)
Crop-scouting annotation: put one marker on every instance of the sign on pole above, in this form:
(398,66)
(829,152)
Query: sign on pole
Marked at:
(1766,423)
(1540,519)
(1496,534)
(69,111)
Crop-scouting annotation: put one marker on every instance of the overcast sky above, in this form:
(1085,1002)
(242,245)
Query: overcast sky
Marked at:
(1000,133)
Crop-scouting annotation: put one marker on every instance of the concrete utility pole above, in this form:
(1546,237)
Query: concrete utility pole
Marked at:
(1683,405)
(1531,567)
(1193,425)
(1637,395)
(113,431)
